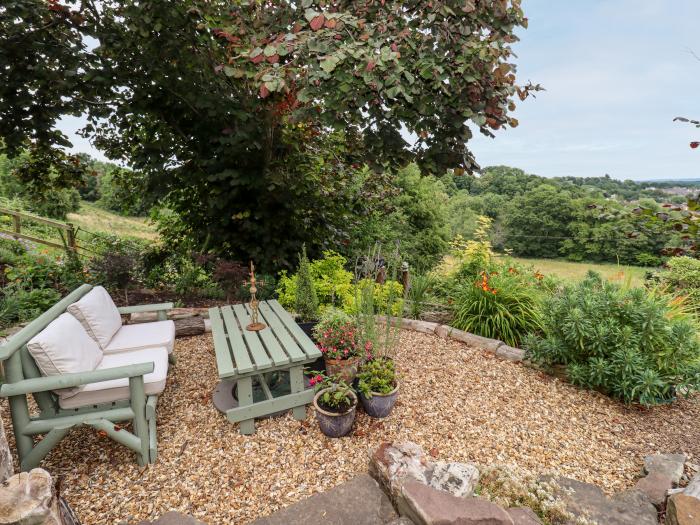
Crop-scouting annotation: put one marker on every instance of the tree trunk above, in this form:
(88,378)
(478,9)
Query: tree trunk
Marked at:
(189,326)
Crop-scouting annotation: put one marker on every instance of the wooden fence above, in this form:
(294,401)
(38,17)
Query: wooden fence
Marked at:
(69,241)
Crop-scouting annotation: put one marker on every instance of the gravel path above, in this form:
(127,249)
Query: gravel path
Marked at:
(459,403)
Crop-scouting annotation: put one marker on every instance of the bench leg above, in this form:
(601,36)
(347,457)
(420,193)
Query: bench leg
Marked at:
(296,380)
(245,398)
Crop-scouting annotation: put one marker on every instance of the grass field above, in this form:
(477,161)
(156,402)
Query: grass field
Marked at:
(94,219)
(574,271)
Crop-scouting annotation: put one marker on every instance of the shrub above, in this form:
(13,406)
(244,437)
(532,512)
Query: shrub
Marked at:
(305,299)
(230,275)
(18,305)
(633,344)
(332,282)
(118,262)
(683,277)
(500,304)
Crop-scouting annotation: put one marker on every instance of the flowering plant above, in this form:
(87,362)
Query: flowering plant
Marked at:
(337,336)
(338,395)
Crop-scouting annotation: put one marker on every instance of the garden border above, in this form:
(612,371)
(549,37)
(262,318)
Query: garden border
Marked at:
(494,346)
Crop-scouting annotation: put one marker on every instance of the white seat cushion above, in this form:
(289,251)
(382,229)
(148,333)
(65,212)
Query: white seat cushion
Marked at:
(118,389)
(63,347)
(98,314)
(143,335)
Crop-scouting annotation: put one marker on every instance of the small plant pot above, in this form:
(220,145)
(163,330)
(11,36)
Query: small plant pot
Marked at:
(345,369)
(308,329)
(379,405)
(334,424)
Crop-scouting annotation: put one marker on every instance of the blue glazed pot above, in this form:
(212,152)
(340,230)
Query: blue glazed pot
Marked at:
(379,405)
(332,424)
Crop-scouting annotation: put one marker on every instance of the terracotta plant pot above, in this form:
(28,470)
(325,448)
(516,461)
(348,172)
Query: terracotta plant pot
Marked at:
(379,405)
(345,369)
(334,424)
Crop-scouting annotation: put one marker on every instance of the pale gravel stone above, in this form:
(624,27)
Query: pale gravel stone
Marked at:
(460,403)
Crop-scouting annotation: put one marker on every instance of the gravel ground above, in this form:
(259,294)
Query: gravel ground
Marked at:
(459,403)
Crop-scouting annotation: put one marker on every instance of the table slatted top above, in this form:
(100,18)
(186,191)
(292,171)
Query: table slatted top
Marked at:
(240,351)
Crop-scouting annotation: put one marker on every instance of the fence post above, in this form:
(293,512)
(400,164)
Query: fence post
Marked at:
(17,224)
(405,277)
(71,237)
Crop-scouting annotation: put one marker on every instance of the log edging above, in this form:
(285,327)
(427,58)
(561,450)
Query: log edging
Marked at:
(494,346)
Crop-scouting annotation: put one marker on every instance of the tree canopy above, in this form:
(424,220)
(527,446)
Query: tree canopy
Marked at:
(223,106)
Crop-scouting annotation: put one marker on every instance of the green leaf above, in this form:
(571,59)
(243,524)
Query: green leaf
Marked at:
(328,65)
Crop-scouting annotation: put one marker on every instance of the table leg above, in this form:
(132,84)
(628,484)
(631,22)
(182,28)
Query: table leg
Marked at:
(245,398)
(296,380)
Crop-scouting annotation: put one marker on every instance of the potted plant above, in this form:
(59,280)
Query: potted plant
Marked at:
(305,300)
(378,386)
(335,403)
(336,334)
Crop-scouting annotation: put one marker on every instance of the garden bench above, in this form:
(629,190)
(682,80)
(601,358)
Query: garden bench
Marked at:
(243,355)
(82,367)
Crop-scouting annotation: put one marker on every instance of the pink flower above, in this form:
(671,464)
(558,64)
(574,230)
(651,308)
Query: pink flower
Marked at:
(312,381)
(318,378)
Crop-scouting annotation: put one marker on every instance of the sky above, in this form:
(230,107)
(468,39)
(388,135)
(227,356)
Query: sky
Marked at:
(616,73)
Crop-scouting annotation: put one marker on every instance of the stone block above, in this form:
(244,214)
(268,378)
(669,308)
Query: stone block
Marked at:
(28,498)
(523,516)
(427,506)
(358,501)
(669,464)
(655,486)
(683,510)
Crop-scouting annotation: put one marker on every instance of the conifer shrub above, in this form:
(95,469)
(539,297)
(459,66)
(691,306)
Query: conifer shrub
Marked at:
(637,345)
(306,300)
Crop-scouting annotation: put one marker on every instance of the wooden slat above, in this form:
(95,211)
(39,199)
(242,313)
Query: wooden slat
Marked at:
(238,346)
(263,408)
(32,238)
(288,343)
(257,351)
(224,363)
(271,345)
(306,344)
(35,218)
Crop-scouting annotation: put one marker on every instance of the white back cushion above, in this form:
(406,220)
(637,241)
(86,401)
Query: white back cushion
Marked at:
(63,347)
(98,314)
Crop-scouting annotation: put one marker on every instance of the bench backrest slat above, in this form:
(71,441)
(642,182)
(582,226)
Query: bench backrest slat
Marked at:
(21,338)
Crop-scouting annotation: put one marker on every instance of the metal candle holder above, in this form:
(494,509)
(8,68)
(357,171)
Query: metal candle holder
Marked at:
(255,324)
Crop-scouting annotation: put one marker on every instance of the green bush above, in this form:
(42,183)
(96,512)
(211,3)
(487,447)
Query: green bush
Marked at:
(633,344)
(683,277)
(332,282)
(305,299)
(18,305)
(502,303)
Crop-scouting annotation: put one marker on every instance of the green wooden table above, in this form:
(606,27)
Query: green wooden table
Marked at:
(243,355)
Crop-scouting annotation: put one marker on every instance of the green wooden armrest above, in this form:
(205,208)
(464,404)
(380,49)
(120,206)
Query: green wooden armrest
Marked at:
(145,308)
(43,384)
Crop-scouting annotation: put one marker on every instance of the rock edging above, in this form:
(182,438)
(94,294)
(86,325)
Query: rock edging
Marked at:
(494,346)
